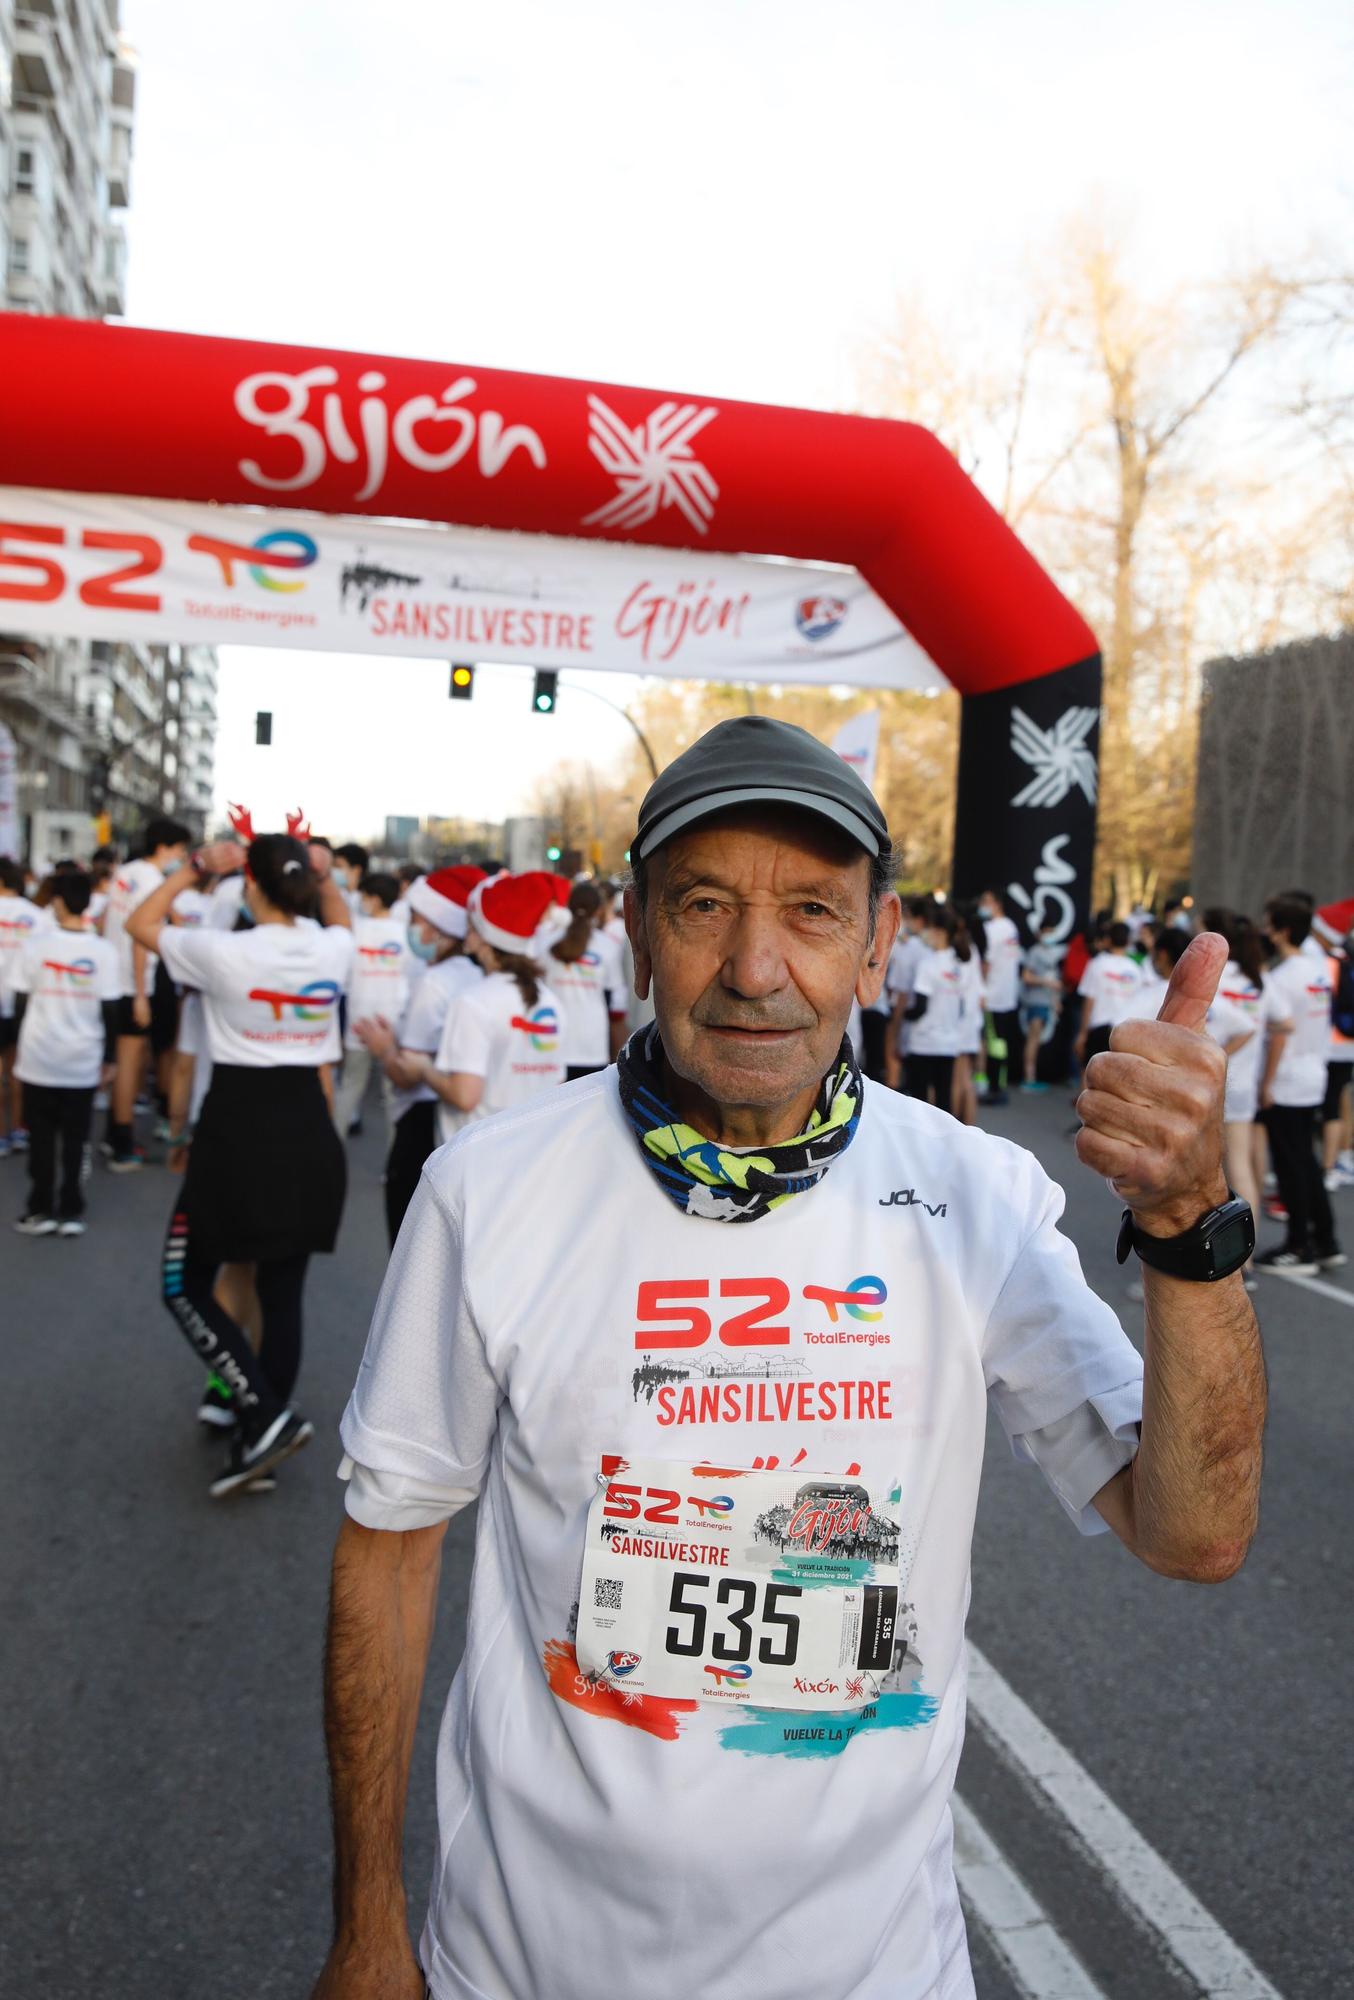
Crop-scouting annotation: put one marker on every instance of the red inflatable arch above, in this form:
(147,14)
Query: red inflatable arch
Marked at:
(91,408)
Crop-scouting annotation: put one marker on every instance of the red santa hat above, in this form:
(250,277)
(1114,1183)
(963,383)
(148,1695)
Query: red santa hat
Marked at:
(444,897)
(563,888)
(507,912)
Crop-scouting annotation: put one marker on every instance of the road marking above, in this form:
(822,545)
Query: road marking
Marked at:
(1035,1956)
(1313,1285)
(1134,1871)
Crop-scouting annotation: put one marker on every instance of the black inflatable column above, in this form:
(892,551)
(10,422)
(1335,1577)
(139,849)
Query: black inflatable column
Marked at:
(1025,814)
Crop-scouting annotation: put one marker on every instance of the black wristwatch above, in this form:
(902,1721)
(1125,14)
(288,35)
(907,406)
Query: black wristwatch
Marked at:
(1219,1243)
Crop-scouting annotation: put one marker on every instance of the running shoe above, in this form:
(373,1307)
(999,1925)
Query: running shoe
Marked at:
(1332,1259)
(1337,1178)
(127,1163)
(1033,1087)
(216,1411)
(1297,1263)
(36,1225)
(994,1097)
(18,1139)
(4,1144)
(283,1436)
(163,1129)
(70,1225)
(1274,1209)
(263,1483)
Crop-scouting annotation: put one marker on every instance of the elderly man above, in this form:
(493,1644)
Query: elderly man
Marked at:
(711,1338)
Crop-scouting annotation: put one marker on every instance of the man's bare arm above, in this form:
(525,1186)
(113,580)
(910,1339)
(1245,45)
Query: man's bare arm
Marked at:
(1187,1505)
(382,1603)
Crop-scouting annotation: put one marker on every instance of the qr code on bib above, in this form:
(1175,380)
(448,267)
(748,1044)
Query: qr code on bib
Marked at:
(607,1592)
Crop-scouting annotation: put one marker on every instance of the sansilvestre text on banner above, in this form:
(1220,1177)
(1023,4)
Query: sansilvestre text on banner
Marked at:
(778,1589)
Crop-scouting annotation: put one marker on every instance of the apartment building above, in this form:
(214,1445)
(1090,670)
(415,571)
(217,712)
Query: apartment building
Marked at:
(101,728)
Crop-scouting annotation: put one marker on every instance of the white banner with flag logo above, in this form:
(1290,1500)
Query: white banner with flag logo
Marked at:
(99,566)
(857,743)
(9,795)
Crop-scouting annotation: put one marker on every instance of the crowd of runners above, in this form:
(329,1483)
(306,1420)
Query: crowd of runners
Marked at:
(253,1002)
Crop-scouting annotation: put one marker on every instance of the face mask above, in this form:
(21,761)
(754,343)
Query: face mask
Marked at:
(171,867)
(424,948)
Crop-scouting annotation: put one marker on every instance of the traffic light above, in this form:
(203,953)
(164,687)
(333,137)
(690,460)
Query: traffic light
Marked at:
(543,694)
(263,726)
(462,681)
(553,852)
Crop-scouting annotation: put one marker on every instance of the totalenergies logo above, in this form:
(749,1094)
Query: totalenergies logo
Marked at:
(281,549)
(312,1003)
(721,1675)
(77,971)
(542,1024)
(390,949)
(862,1298)
(715,1503)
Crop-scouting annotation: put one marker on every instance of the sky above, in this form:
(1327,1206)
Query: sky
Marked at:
(724,196)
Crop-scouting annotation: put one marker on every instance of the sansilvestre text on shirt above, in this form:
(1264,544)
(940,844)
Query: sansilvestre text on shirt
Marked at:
(547,1304)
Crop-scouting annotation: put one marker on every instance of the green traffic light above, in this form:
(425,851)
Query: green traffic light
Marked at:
(552,853)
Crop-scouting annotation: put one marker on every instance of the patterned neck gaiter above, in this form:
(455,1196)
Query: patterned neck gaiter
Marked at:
(728,1183)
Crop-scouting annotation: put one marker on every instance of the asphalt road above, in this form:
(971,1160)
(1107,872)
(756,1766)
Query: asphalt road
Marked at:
(165,1837)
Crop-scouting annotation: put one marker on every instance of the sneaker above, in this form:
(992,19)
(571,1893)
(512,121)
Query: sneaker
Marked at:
(216,1411)
(283,1436)
(18,1139)
(4,1144)
(1274,1209)
(1346,1160)
(70,1225)
(263,1482)
(163,1129)
(1333,1259)
(127,1163)
(1040,1087)
(36,1225)
(1334,1178)
(1297,1263)
(994,1097)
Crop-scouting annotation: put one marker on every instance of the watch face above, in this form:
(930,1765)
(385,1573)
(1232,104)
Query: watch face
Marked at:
(1231,1243)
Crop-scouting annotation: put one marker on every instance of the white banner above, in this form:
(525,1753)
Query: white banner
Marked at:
(101,566)
(9,795)
(857,744)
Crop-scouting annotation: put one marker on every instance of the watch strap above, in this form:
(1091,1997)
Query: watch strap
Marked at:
(1191,1255)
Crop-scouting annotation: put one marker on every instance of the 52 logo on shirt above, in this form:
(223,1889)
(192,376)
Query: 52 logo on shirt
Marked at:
(671,1318)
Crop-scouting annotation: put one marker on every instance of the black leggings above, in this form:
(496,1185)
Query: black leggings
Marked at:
(1293,1132)
(925,1073)
(260,1384)
(415,1137)
(58,1119)
(1002,1070)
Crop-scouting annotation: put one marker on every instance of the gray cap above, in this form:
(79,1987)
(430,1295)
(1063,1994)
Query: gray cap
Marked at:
(755,760)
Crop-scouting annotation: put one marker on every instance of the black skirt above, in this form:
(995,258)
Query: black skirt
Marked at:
(267,1174)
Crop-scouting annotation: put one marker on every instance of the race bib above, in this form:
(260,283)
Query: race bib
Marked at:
(775,1588)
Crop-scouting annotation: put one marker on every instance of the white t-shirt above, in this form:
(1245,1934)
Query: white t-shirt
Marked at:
(131,885)
(588,992)
(1257,1004)
(973,988)
(270,994)
(224,903)
(1003,964)
(907,954)
(1111,982)
(491,1032)
(379,982)
(19,921)
(421,1028)
(67,976)
(1301,987)
(98,903)
(526,1327)
(947,988)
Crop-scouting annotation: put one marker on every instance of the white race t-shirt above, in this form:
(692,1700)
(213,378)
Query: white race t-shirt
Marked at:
(270,994)
(491,1032)
(907,954)
(1111,982)
(1257,1005)
(1003,964)
(528,1325)
(947,988)
(380,981)
(19,921)
(131,885)
(98,903)
(974,991)
(588,991)
(1301,988)
(224,903)
(421,1028)
(67,976)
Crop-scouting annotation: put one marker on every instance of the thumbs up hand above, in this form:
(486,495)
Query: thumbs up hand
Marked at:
(1151,1109)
